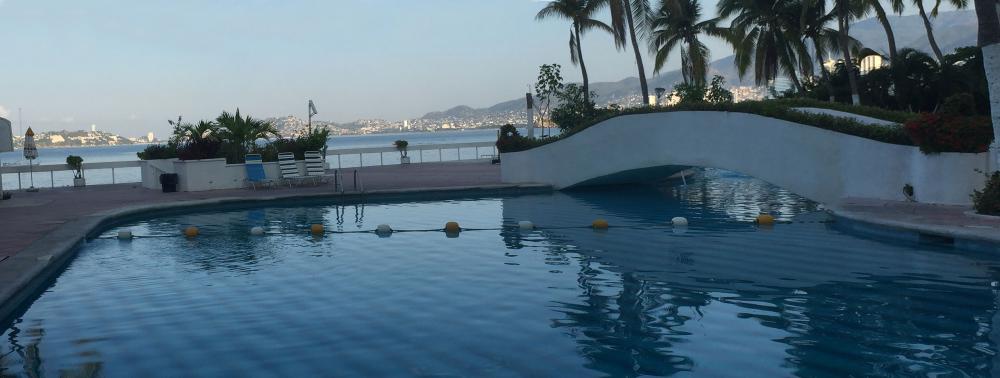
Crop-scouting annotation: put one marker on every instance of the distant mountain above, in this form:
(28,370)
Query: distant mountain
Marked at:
(951,29)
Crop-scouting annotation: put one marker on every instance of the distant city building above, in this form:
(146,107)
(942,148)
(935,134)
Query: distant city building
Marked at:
(93,128)
(150,137)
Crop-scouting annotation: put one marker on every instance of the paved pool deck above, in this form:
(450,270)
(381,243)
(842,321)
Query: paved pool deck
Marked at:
(910,220)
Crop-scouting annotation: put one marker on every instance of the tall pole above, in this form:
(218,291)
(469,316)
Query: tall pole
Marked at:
(310,122)
(531,116)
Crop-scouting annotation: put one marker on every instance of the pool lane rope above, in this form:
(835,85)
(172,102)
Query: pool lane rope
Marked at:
(453,228)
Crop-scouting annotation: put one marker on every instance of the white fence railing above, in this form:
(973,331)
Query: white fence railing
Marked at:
(360,157)
(53,175)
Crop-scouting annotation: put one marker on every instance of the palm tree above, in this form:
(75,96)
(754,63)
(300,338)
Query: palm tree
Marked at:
(927,22)
(883,18)
(766,35)
(676,22)
(196,133)
(623,14)
(846,11)
(580,13)
(825,40)
(242,133)
(989,40)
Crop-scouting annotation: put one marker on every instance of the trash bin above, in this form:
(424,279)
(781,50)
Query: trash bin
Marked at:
(169,182)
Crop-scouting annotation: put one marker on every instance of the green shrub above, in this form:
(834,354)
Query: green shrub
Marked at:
(158,151)
(717,92)
(314,140)
(690,93)
(767,108)
(573,108)
(868,111)
(987,201)
(201,149)
(955,128)
(76,163)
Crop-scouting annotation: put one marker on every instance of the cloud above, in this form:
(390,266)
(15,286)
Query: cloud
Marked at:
(3,111)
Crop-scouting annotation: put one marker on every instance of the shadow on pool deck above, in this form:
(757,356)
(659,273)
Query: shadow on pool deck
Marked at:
(27,217)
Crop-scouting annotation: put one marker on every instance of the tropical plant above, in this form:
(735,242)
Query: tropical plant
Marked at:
(825,40)
(158,151)
(717,92)
(401,147)
(581,14)
(847,11)
(76,164)
(575,106)
(765,34)
(987,201)
(546,88)
(624,16)
(242,133)
(312,140)
(194,133)
(687,93)
(678,22)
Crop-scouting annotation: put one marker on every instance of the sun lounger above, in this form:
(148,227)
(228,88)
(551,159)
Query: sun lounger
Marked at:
(255,172)
(289,169)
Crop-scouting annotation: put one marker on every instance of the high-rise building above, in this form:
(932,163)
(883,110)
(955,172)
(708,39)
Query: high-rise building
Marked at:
(150,137)
(93,128)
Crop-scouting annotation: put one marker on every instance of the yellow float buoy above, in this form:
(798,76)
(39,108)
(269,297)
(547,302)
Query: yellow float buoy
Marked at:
(316,229)
(599,224)
(765,220)
(191,231)
(452,228)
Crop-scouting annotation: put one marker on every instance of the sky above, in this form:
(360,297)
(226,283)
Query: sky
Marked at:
(127,66)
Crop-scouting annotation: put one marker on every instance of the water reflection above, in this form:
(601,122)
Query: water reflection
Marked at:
(724,298)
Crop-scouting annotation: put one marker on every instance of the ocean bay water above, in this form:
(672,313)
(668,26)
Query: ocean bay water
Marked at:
(57,155)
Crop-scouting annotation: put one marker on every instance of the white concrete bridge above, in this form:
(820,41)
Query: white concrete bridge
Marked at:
(818,164)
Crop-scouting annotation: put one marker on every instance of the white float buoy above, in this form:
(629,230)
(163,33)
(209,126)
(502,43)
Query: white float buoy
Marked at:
(383,230)
(526,225)
(679,222)
(257,230)
(125,235)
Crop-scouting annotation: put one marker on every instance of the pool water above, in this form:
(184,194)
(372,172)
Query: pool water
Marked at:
(720,298)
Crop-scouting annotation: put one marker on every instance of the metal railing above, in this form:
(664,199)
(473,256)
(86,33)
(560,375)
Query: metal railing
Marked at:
(51,169)
(416,151)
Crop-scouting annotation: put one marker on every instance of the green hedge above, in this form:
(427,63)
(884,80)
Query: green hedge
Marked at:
(778,109)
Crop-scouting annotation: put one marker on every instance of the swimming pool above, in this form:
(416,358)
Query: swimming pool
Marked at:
(719,298)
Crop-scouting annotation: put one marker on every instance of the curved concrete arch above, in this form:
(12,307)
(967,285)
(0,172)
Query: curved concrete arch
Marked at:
(819,164)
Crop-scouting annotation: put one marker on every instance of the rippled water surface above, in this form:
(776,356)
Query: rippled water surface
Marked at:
(721,298)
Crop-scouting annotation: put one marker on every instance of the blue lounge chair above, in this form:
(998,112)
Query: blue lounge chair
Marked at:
(255,172)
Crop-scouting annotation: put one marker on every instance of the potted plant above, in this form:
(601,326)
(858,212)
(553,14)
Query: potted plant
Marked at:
(76,164)
(401,147)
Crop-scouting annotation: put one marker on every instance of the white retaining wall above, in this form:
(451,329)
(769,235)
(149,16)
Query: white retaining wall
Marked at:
(818,164)
(202,175)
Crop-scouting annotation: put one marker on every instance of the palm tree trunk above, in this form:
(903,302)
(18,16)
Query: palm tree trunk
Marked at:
(822,70)
(889,35)
(988,13)
(930,31)
(848,62)
(891,38)
(795,81)
(583,66)
(638,55)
